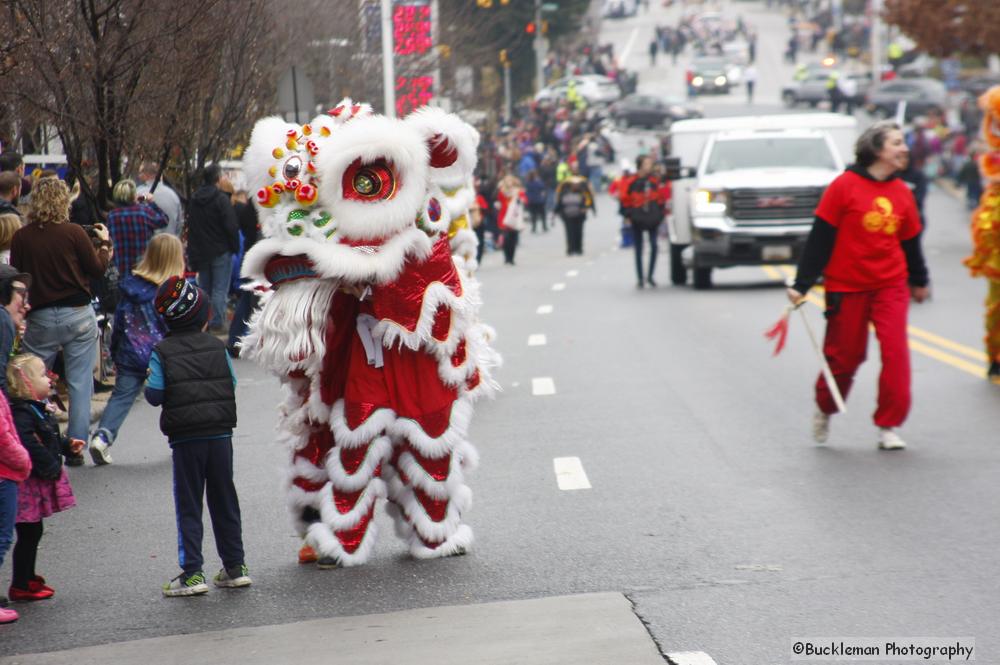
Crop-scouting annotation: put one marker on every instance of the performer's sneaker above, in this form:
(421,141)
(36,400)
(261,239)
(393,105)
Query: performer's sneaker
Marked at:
(821,426)
(889,440)
(186,585)
(100,450)
(993,373)
(307,554)
(233,578)
(328,562)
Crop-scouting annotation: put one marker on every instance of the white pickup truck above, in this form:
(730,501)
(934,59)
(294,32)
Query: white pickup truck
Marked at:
(751,186)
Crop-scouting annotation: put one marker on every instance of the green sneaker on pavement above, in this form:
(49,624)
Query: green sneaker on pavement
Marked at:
(186,585)
(233,578)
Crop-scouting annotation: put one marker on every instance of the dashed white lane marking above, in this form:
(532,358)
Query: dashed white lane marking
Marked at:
(538,339)
(628,45)
(572,273)
(690,658)
(559,286)
(543,385)
(544,309)
(570,474)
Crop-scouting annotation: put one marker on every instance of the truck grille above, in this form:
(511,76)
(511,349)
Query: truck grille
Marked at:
(769,206)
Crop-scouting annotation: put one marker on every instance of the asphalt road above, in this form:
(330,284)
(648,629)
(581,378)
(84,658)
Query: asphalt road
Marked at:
(708,506)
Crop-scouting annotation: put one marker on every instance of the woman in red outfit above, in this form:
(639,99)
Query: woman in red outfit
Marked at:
(865,241)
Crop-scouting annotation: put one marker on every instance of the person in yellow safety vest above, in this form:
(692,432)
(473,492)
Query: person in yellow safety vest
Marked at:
(562,171)
(801,72)
(895,53)
(574,97)
(833,90)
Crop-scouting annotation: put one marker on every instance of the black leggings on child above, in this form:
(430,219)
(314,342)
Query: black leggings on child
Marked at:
(29,534)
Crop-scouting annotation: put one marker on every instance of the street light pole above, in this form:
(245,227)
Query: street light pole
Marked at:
(539,48)
(388,66)
(507,108)
(876,42)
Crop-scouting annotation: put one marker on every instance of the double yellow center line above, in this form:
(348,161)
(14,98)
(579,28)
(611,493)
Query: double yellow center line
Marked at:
(942,349)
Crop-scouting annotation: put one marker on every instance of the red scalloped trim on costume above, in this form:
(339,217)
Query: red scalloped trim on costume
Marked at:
(356,413)
(435,423)
(436,467)
(345,501)
(442,323)
(319,444)
(458,357)
(350,539)
(473,381)
(308,485)
(352,458)
(436,509)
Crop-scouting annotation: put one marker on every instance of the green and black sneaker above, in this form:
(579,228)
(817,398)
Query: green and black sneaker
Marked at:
(233,578)
(186,585)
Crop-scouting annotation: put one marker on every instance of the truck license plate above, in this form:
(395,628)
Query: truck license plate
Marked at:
(776,253)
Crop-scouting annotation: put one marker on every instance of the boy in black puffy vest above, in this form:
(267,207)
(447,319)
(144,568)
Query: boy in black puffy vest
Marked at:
(191,376)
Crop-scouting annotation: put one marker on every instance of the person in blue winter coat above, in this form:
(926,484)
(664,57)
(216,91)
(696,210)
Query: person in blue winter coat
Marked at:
(536,192)
(137,329)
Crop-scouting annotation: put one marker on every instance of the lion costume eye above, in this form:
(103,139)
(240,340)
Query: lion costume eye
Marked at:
(292,168)
(369,182)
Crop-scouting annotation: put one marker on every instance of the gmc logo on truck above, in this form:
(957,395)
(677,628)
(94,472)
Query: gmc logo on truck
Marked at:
(775,202)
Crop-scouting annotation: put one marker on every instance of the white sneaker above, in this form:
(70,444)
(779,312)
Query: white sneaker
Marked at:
(889,440)
(100,450)
(821,426)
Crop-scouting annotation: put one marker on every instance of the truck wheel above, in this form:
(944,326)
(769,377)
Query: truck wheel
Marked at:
(702,278)
(789,99)
(678,273)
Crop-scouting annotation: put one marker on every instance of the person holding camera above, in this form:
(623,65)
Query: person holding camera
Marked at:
(132,224)
(62,260)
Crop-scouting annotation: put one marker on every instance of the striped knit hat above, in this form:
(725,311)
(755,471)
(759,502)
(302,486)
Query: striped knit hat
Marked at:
(181,304)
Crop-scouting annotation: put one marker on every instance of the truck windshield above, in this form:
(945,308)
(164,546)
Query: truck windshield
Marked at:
(756,153)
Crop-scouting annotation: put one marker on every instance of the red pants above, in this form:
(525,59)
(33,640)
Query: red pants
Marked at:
(846,346)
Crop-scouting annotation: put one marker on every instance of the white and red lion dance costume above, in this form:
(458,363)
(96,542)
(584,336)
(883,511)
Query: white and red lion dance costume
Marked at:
(373,332)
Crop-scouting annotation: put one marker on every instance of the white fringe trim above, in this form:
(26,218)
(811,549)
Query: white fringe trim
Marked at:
(338,521)
(459,542)
(288,332)
(342,262)
(378,453)
(322,539)
(377,424)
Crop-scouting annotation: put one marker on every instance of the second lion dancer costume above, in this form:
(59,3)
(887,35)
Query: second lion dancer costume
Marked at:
(372,330)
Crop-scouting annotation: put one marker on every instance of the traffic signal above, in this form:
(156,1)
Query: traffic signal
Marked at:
(529,28)
(485,4)
(503,56)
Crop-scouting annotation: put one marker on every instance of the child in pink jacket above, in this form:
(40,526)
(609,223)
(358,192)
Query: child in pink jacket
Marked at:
(15,466)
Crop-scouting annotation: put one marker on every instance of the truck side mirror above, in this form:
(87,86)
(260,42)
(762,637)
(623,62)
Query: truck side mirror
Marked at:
(675,171)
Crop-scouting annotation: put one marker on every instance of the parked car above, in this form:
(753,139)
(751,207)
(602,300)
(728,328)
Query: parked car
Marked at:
(920,94)
(596,89)
(813,88)
(708,74)
(651,111)
(977,85)
(619,8)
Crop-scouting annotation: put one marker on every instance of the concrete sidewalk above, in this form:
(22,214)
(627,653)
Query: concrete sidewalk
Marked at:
(589,629)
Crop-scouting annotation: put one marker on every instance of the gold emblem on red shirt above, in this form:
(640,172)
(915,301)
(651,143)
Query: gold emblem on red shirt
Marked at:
(881,217)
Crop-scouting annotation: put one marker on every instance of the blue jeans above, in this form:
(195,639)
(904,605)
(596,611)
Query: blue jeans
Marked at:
(127,388)
(213,278)
(244,308)
(74,330)
(8,511)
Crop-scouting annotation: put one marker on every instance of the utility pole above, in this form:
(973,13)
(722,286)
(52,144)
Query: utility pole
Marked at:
(539,48)
(876,42)
(508,111)
(388,66)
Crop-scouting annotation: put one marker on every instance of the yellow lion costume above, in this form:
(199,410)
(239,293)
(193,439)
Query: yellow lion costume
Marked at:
(985,259)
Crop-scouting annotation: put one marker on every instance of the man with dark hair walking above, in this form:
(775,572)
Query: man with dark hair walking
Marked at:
(213,238)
